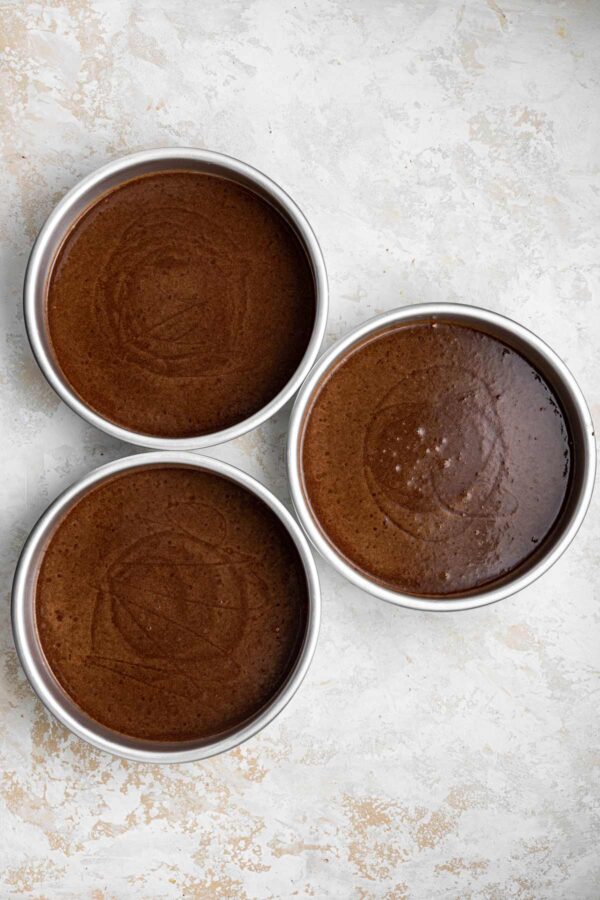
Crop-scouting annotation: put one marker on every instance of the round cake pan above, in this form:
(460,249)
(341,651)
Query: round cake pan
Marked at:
(79,198)
(47,687)
(574,407)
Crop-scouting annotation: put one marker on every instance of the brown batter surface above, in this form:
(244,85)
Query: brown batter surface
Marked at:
(180,304)
(436,459)
(171,603)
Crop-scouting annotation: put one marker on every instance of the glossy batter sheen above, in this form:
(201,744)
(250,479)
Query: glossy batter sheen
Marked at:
(180,304)
(436,459)
(171,603)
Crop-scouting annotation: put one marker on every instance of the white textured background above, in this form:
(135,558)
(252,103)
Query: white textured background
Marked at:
(442,151)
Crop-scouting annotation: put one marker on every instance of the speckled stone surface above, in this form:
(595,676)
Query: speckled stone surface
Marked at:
(442,151)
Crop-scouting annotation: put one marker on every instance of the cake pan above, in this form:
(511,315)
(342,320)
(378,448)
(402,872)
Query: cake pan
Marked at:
(540,355)
(77,200)
(47,687)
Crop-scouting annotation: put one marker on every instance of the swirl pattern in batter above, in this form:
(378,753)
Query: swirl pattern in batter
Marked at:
(180,304)
(435,458)
(171,603)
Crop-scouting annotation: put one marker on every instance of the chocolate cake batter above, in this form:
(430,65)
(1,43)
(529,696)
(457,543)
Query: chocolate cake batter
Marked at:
(171,603)
(180,304)
(435,458)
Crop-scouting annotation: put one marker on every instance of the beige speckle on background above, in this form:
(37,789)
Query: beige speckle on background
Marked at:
(443,151)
